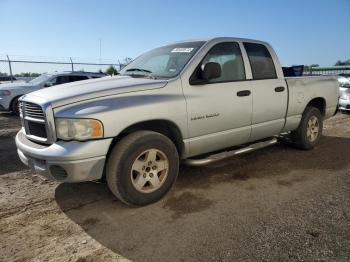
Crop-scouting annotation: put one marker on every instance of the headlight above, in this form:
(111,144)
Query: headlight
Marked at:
(5,93)
(78,129)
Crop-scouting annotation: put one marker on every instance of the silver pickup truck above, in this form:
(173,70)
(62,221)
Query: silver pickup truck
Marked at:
(194,102)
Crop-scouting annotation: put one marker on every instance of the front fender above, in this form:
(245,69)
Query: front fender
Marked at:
(124,110)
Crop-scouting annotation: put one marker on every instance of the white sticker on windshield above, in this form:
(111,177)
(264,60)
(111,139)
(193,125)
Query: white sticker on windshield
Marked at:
(182,50)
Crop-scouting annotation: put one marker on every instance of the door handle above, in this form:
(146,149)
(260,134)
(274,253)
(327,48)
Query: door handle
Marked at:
(279,89)
(243,93)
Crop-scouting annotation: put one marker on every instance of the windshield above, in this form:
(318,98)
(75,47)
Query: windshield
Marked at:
(40,79)
(162,62)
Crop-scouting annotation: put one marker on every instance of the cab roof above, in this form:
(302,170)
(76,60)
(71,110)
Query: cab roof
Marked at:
(219,39)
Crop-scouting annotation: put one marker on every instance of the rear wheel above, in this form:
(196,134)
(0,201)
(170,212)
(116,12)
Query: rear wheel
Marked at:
(142,167)
(309,132)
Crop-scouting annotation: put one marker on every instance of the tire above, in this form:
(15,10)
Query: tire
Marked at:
(137,160)
(14,106)
(308,134)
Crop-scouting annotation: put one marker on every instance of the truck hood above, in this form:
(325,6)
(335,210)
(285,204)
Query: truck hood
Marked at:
(93,88)
(16,85)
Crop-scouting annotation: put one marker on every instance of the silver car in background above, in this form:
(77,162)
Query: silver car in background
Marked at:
(10,92)
(344,93)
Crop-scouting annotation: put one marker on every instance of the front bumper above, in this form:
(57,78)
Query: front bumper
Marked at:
(344,104)
(71,161)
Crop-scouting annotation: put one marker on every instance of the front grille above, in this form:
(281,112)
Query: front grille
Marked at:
(34,121)
(33,110)
(20,107)
(36,129)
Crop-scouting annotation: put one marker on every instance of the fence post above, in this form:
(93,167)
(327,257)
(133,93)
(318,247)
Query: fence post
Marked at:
(71,61)
(8,59)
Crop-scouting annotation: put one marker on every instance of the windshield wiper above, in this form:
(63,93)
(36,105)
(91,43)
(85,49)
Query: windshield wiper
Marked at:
(139,70)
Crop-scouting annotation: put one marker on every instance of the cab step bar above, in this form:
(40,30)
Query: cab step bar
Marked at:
(222,155)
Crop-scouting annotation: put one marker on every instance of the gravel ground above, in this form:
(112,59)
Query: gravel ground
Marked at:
(278,203)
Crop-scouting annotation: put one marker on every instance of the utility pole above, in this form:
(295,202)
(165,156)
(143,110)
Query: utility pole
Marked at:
(8,59)
(71,62)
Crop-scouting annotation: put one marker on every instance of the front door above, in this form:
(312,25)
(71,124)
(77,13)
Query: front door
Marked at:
(219,111)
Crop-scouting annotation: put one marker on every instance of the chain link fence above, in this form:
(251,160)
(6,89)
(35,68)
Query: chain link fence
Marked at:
(16,67)
(331,70)
(25,68)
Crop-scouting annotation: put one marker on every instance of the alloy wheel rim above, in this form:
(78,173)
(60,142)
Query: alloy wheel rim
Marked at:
(312,129)
(149,170)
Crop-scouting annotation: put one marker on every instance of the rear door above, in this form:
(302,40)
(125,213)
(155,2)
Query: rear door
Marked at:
(269,91)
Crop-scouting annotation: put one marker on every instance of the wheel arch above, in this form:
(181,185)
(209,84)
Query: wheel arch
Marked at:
(319,103)
(13,99)
(162,126)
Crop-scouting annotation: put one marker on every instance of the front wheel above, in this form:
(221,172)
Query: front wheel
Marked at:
(142,167)
(309,132)
(15,106)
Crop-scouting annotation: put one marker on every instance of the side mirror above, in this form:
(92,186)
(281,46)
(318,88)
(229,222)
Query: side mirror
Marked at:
(210,71)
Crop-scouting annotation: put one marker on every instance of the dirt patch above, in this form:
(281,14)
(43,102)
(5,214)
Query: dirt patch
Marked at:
(186,203)
(291,181)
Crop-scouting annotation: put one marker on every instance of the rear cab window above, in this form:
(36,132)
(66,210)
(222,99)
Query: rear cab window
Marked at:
(261,62)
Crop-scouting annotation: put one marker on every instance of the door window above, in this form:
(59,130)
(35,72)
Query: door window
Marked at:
(77,78)
(64,79)
(260,61)
(228,56)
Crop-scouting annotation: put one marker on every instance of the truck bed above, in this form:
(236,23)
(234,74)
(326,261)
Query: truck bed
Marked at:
(303,89)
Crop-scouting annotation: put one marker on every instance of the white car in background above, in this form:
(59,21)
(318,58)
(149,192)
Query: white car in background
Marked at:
(344,92)
(10,92)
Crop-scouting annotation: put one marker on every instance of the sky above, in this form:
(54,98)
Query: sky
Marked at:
(301,31)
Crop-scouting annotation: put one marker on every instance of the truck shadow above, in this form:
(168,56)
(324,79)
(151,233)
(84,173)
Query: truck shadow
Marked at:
(9,160)
(165,230)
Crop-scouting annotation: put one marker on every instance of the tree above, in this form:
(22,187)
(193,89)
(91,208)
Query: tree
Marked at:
(111,70)
(342,63)
(27,74)
(308,67)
